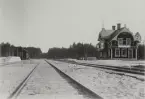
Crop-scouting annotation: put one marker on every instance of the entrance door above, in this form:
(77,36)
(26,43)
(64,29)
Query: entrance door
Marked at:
(130,53)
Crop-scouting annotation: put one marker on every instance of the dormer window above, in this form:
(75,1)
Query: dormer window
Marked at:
(120,41)
(124,42)
(128,41)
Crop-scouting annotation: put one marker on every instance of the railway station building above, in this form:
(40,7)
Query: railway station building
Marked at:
(118,43)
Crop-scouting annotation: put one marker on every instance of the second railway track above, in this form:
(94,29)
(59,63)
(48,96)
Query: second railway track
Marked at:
(135,70)
(82,89)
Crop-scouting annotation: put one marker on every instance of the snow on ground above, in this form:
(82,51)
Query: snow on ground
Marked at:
(2,59)
(14,59)
(113,62)
(46,83)
(10,59)
(108,86)
(11,76)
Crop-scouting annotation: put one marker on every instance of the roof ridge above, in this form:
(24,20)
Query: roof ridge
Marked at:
(115,33)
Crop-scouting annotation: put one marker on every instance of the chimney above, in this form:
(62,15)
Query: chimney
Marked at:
(118,26)
(113,27)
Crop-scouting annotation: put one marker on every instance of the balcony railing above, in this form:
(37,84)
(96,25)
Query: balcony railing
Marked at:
(124,45)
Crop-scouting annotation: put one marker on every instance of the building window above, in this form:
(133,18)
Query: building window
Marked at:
(124,52)
(120,41)
(117,52)
(128,41)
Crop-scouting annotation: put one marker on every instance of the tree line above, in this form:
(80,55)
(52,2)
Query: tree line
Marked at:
(80,50)
(76,50)
(7,49)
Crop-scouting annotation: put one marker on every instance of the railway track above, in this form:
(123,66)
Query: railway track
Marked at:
(133,70)
(82,89)
(19,88)
(87,94)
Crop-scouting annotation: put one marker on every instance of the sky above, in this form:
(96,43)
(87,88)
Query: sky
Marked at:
(59,23)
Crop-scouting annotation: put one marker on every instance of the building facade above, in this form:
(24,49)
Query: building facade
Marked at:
(118,43)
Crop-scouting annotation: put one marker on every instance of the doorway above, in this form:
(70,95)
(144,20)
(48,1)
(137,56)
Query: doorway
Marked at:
(130,53)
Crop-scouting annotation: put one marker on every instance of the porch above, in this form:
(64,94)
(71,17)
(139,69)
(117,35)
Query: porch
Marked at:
(123,53)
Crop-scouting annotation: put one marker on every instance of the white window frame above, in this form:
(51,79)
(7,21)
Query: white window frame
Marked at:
(123,55)
(128,39)
(117,55)
(120,40)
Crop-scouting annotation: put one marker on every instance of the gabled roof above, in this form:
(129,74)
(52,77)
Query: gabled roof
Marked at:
(137,37)
(110,34)
(116,32)
(104,34)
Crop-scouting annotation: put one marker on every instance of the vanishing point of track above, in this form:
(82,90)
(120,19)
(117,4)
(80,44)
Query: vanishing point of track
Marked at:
(79,87)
